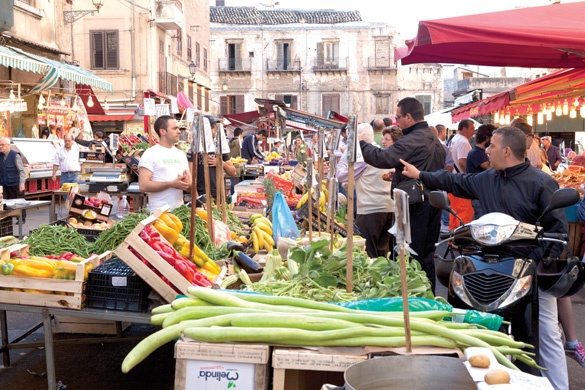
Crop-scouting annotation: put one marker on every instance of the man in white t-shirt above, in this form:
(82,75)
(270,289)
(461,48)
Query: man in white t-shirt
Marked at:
(460,147)
(163,169)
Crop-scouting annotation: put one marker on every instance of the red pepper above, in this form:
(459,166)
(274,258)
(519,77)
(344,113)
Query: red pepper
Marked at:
(201,280)
(185,271)
(156,246)
(169,259)
(67,256)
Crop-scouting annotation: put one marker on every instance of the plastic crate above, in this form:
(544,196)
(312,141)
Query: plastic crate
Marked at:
(6,227)
(114,286)
(90,234)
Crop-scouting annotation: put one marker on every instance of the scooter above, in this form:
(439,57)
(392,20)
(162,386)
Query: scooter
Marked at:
(492,265)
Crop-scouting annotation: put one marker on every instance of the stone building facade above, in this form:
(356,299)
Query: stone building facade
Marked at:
(315,60)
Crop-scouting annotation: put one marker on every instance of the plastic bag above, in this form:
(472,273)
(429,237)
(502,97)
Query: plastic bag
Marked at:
(395,304)
(283,223)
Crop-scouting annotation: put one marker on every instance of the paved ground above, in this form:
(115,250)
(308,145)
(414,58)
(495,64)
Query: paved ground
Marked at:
(97,366)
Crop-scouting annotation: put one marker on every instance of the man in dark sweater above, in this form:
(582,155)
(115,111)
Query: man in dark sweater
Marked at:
(419,145)
(250,147)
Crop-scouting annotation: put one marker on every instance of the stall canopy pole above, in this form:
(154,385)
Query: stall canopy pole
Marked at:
(195,134)
(321,154)
(332,186)
(402,234)
(219,172)
(310,198)
(351,157)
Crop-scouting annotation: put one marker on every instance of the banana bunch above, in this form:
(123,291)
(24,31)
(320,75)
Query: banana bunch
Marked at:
(238,160)
(323,200)
(261,233)
(271,156)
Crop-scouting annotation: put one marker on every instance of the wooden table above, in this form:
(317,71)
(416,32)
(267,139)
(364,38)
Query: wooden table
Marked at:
(17,209)
(49,343)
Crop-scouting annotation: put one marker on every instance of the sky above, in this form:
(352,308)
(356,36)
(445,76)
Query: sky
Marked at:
(404,15)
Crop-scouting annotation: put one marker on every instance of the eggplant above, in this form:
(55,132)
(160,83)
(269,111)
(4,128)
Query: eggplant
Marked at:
(233,246)
(247,263)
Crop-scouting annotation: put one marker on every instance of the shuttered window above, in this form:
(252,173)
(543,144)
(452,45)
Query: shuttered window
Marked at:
(233,104)
(179,42)
(426,102)
(205,60)
(289,100)
(207,100)
(189,52)
(199,97)
(104,49)
(197,53)
(330,103)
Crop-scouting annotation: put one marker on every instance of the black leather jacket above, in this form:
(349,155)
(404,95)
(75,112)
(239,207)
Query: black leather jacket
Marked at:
(418,146)
(521,191)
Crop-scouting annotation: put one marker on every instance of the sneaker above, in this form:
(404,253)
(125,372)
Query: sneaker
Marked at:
(578,353)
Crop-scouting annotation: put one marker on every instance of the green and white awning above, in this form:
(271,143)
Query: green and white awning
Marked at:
(11,59)
(51,69)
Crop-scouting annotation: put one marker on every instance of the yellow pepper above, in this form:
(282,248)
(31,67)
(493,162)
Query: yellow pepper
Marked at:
(36,263)
(175,220)
(31,272)
(208,273)
(211,268)
(169,222)
(201,213)
(170,234)
(67,269)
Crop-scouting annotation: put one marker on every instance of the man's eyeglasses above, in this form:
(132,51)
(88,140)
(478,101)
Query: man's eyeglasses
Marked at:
(400,116)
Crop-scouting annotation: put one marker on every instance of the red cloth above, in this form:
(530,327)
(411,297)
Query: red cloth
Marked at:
(464,210)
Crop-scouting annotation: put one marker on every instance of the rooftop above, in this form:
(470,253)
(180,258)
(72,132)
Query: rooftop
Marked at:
(254,16)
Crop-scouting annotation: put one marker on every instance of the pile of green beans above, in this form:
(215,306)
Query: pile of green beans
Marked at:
(202,239)
(110,239)
(56,240)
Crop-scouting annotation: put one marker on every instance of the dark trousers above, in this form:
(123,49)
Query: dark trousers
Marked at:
(425,221)
(374,228)
(13,192)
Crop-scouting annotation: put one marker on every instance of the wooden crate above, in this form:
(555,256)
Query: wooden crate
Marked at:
(70,325)
(66,294)
(298,368)
(248,360)
(575,229)
(149,276)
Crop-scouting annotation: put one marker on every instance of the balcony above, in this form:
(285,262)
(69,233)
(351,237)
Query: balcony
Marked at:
(275,66)
(380,64)
(167,83)
(235,65)
(169,15)
(336,66)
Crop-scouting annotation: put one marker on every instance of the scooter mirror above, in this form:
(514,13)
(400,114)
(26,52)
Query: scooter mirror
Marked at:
(564,197)
(440,200)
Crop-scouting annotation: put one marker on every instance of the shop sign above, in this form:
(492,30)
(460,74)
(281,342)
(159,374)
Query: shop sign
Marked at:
(41,120)
(207,375)
(20,107)
(52,120)
(149,107)
(60,120)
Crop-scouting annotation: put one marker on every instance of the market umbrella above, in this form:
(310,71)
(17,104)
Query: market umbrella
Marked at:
(551,36)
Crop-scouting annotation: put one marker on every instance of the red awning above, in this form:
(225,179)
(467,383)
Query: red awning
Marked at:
(243,118)
(112,115)
(558,86)
(152,93)
(84,92)
(183,100)
(551,36)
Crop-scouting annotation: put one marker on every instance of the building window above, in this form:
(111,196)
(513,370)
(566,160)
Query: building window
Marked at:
(205,59)
(197,53)
(251,54)
(189,53)
(199,97)
(231,104)
(207,100)
(289,100)
(383,104)
(104,49)
(191,91)
(234,56)
(330,103)
(283,55)
(425,100)
(328,55)
(179,41)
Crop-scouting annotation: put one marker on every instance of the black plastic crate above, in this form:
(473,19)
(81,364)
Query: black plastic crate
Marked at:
(90,234)
(114,286)
(6,227)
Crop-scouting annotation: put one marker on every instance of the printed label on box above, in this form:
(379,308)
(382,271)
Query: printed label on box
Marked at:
(119,281)
(208,375)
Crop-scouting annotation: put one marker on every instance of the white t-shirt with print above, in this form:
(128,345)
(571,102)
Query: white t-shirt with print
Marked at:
(460,147)
(166,164)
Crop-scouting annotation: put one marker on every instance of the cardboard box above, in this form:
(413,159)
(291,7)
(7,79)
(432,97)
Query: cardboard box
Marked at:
(77,207)
(209,366)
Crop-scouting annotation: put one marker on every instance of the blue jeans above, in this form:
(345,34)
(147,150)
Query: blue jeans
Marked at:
(445,217)
(69,177)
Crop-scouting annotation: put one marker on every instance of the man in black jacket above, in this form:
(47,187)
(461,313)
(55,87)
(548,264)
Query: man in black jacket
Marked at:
(421,147)
(518,189)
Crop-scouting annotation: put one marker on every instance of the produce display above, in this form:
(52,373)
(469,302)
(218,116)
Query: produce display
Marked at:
(90,225)
(570,178)
(314,272)
(221,316)
(261,233)
(56,240)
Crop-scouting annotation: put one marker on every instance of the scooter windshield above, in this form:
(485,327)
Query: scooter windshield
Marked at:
(498,219)
(493,229)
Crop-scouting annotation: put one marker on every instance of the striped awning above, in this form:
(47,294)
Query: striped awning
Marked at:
(54,70)
(11,59)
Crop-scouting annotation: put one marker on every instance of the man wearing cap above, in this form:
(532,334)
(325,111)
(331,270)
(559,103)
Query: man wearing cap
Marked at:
(250,146)
(276,146)
(552,152)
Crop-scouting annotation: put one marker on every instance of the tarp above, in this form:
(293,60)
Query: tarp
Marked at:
(183,101)
(11,59)
(551,36)
(565,84)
